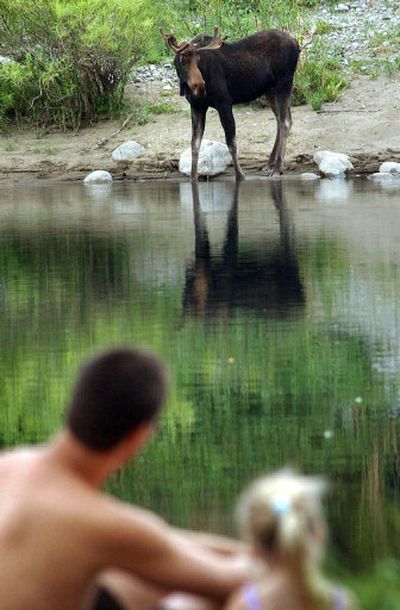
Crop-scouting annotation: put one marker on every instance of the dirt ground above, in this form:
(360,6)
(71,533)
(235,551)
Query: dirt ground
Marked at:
(365,124)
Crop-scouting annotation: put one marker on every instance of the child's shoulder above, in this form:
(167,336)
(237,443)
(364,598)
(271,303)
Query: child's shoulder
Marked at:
(343,599)
(275,593)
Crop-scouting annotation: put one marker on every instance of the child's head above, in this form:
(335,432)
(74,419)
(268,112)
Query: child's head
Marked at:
(281,514)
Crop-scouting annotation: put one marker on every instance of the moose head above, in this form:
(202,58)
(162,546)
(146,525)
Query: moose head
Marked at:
(187,55)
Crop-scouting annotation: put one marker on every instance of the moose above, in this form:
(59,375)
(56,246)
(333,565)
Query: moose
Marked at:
(213,73)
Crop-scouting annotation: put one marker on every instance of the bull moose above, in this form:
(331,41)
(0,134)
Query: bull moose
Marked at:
(213,73)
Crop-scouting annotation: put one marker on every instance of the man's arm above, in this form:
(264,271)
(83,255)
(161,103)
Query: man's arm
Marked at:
(215,542)
(143,544)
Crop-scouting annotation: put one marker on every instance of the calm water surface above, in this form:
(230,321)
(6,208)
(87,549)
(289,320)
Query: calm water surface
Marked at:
(277,308)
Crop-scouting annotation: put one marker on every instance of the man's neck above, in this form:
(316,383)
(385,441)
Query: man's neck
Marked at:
(70,454)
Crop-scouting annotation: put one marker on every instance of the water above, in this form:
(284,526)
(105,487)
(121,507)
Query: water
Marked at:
(277,308)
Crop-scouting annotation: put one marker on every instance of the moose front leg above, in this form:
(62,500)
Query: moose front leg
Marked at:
(198,125)
(228,123)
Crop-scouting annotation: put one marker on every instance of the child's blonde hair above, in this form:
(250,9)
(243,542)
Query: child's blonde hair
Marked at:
(281,514)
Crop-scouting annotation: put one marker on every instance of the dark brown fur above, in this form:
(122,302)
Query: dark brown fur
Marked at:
(261,64)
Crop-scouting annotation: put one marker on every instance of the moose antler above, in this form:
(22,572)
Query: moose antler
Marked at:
(170,40)
(216,42)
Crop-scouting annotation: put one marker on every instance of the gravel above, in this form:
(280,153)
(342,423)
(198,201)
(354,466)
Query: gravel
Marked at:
(164,75)
(353,26)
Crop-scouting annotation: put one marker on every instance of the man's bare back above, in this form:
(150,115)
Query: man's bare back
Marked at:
(59,533)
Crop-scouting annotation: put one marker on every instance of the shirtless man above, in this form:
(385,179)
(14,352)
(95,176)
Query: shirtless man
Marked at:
(60,534)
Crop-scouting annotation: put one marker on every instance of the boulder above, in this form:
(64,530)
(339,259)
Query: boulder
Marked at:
(332,164)
(309,176)
(390,167)
(99,176)
(385,178)
(128,151)
(214,157)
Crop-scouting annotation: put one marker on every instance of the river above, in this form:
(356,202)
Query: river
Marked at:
(277,308)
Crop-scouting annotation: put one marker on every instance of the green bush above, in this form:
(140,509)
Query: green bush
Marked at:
(72,57)
(318,80)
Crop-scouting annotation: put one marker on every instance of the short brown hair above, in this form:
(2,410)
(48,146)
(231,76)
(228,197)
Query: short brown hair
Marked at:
(115,392)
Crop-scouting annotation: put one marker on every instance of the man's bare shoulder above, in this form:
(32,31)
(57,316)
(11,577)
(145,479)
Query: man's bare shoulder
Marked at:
(28,479)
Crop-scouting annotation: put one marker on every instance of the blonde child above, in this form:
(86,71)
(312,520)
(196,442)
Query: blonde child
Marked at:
(281,516)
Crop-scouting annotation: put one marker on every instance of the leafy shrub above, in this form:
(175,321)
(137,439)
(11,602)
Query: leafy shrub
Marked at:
(72,57)
(318,80)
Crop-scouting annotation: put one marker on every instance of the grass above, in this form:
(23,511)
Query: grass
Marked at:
(44,149)
(143,114)
(10,146)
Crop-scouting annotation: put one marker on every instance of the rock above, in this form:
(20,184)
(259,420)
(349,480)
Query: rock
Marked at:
(214,157)
(309,176)
(385,178)
(5,60)
(99,176)
(128,151)
(342,8)
(390,167)
(332,164)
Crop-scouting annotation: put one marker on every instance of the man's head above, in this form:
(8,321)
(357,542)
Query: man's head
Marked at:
(116,392)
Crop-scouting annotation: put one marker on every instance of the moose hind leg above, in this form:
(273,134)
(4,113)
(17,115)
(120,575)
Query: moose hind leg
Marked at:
(228,123)
(198,125)
(281,108)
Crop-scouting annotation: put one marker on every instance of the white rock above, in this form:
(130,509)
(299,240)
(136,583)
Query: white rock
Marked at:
(214,157)
(332,164)
(309,176)
(390,167)
(128,151)
(5,60)
(385,178)
(99,176)
(342,8)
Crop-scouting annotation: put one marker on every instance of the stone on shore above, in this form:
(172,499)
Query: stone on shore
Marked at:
(128,151)
(332,164)
(214,158)
(99,176)
(307,176)
(390,167)
(389,179)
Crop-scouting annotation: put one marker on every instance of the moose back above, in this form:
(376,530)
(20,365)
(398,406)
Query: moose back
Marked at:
(213,73)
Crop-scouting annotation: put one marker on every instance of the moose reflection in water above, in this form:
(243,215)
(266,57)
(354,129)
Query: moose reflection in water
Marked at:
(265,279)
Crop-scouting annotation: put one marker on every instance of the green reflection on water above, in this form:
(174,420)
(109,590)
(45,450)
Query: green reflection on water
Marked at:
(273,359)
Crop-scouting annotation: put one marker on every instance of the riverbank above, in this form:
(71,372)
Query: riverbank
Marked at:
(364,124)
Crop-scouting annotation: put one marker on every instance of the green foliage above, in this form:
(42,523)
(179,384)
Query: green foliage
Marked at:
(318,80)
(381,588)
(73,58)
(236,18)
